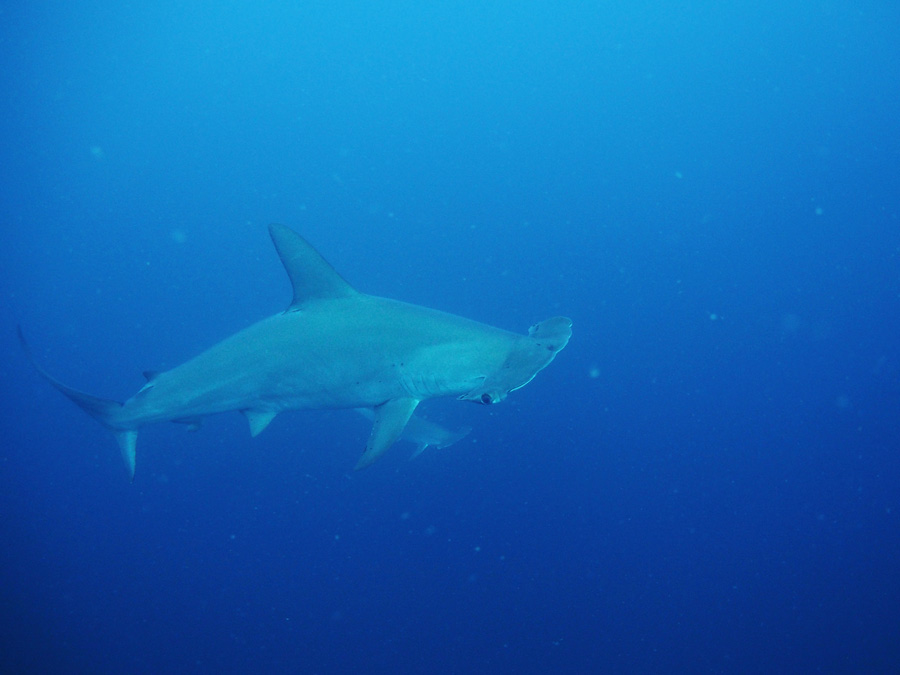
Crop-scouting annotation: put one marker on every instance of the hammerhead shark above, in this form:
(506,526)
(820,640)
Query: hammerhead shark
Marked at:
(334,347)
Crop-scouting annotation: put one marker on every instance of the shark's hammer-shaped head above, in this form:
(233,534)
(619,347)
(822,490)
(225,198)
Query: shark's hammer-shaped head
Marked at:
(529,355)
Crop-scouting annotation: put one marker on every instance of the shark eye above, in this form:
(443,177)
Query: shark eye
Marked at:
(486,399)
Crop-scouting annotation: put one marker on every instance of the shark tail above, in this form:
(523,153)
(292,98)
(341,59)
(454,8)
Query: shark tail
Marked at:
(103,410)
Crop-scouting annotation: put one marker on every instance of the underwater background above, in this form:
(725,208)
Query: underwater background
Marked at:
(707,479)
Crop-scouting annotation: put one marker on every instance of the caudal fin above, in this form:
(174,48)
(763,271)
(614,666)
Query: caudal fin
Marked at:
(101,409)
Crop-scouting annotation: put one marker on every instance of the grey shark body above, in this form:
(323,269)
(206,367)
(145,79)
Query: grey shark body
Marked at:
(424,433)
(334,347)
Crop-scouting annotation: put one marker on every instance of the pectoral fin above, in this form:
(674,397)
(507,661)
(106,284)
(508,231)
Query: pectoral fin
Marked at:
(390,419)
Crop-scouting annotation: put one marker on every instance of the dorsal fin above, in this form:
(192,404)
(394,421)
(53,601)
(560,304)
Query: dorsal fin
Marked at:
(311,276)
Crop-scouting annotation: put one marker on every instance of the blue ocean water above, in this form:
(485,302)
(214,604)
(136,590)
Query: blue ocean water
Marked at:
(707,479)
